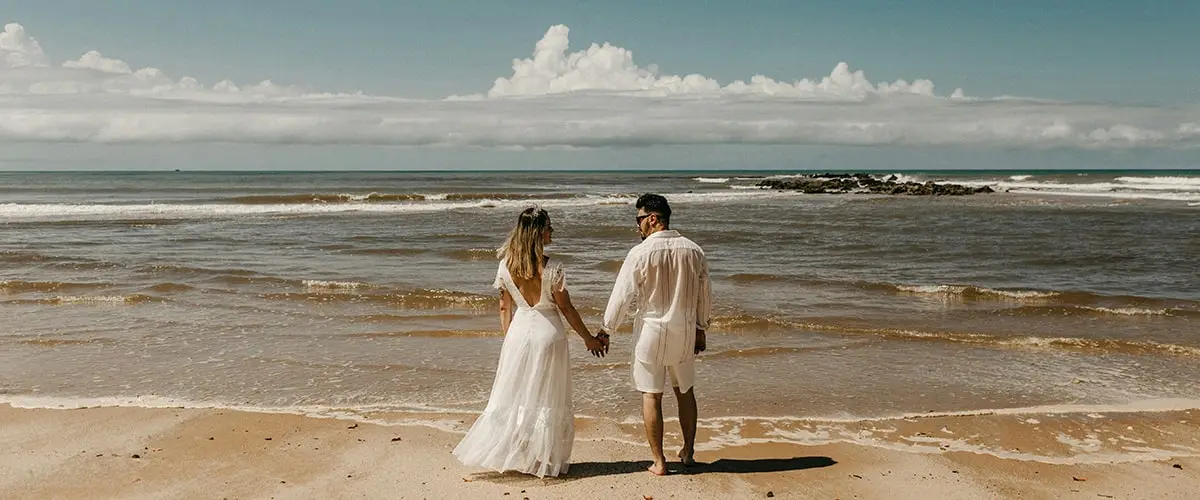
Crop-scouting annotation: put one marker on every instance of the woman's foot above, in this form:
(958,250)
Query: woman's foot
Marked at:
(687,457)
(658,469)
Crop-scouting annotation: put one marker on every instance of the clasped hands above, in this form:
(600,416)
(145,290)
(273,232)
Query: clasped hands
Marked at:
(598,344)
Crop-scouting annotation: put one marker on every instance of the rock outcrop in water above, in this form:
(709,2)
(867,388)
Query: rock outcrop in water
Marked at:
(867,184)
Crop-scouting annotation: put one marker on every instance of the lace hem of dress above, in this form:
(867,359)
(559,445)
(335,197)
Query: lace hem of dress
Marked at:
(541,417)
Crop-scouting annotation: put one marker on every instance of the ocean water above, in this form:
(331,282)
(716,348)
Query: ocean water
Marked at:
(358,291)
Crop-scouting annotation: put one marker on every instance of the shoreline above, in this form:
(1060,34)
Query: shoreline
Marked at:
(199,453)
(1147,423)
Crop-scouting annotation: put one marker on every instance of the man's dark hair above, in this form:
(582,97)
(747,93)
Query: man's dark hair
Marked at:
(655,204)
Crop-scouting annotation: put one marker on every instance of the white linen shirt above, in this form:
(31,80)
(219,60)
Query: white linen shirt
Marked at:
(664,282)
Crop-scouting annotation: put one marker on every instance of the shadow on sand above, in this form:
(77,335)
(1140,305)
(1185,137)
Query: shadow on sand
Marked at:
(584,470)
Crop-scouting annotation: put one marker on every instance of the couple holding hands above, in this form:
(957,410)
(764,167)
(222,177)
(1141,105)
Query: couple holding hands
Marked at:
(529,423)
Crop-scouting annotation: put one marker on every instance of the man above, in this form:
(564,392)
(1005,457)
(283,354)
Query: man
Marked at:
(664,282)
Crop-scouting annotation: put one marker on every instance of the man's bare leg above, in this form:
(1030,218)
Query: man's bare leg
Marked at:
(653,420)
(687,421)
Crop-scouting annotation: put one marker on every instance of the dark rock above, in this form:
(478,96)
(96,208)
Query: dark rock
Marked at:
(135,455)
(1178,466)
(770,494)
(830,183)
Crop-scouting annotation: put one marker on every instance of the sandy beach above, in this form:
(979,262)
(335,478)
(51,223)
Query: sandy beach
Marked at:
(209,453)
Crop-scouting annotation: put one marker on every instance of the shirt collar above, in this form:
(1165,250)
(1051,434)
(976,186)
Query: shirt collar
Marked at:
(666,233)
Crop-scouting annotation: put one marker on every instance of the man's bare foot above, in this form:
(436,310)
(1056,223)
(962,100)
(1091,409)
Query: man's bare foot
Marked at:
(687,457)
(658,469)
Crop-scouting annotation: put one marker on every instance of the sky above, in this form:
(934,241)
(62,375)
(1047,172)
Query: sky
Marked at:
(668,84)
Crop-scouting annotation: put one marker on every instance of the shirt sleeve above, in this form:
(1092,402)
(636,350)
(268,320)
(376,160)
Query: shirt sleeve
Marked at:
(704,301)
(625,292)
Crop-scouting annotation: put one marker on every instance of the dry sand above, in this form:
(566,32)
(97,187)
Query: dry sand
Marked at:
(132,453)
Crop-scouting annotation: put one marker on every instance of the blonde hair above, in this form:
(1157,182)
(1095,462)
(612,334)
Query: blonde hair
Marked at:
(524,248)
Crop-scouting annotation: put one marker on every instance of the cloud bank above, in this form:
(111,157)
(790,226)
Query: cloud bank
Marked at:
(552,70)
(597,97)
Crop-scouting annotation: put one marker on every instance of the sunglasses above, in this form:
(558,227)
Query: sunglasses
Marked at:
(640,217)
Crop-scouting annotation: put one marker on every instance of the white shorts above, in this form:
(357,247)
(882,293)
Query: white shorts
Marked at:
(650,377)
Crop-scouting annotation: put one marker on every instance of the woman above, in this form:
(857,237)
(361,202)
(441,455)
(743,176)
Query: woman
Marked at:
(529,424)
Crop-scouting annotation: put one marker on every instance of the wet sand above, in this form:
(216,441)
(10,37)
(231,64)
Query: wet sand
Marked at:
(210,453)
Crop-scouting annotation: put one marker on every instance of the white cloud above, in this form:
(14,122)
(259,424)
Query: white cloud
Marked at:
(596,97)
(601,67)
(94,60)
(18,49)
(605,67)
(93,73)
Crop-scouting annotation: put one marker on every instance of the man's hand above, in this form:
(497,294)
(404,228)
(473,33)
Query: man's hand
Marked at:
(701,342)
(595,346)
(603,337)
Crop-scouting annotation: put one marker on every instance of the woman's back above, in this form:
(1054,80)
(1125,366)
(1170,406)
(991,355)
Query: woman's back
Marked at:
(530,289)
(536,292)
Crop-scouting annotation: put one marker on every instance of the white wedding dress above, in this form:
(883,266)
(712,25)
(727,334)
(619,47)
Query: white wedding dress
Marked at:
(529,423)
